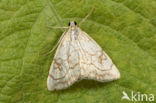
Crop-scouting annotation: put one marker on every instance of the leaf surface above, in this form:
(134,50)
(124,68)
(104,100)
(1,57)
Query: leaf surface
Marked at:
(125,29)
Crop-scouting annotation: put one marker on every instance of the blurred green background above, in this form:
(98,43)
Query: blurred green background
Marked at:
(125,29)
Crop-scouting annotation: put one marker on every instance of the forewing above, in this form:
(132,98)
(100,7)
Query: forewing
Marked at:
(95,63)
(65,68)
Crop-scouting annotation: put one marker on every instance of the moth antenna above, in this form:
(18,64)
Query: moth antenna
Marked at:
(53,27)
(91,11)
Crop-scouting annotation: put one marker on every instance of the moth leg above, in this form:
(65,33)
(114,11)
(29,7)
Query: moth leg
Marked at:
(56,44)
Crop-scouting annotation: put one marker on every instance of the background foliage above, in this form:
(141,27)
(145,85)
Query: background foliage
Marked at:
(125,29)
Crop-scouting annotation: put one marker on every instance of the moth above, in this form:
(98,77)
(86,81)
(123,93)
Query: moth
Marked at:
(78,57)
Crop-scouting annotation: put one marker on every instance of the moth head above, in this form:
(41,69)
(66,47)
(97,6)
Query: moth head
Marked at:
(72,24)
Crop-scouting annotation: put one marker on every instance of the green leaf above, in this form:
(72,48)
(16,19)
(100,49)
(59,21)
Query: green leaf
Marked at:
(125,29)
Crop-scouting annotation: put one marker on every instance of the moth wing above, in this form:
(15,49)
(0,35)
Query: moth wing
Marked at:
(65,68)
(95,63)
